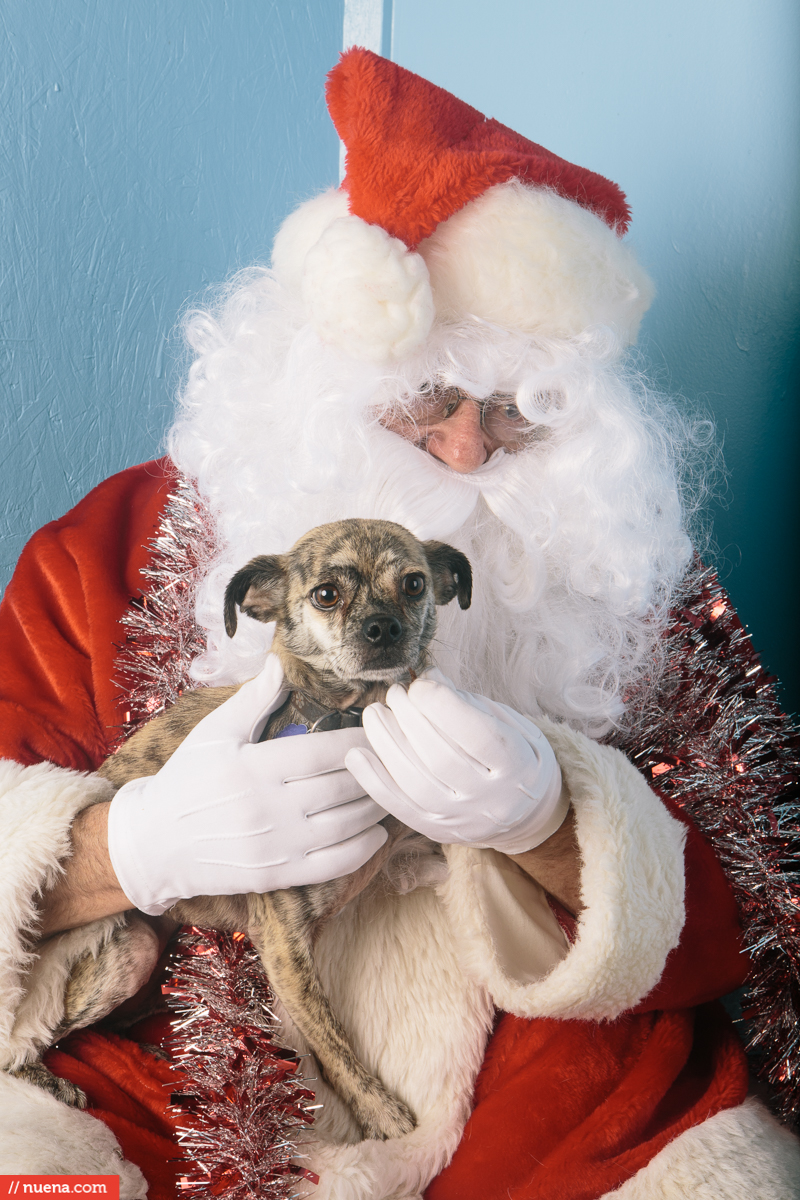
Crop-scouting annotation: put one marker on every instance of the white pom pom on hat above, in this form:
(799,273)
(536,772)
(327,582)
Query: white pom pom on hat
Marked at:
(444,214)
(366,292)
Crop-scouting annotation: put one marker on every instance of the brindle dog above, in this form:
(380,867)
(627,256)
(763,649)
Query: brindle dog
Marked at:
(354,607)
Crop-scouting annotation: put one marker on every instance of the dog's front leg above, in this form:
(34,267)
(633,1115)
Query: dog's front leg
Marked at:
(280,927)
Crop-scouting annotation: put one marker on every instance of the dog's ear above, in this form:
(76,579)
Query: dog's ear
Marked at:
(452,574)
(259,589)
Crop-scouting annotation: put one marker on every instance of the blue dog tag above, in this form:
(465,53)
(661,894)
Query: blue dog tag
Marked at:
(291,730)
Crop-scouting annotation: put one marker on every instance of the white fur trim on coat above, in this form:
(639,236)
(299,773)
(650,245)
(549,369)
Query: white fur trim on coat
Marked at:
(37,807)
(632,885)
(741,1153)
(526,258)
(41,1136)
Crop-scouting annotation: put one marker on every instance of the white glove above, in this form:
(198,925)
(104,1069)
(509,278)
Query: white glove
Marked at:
(226,815)
(460,768)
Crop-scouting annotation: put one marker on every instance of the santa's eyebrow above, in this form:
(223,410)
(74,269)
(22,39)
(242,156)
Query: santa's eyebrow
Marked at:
(500,395)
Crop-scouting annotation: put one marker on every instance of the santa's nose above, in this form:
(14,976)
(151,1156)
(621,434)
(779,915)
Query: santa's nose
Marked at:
(460,441)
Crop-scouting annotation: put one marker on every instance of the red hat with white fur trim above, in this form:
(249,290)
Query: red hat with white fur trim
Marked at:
(444,215)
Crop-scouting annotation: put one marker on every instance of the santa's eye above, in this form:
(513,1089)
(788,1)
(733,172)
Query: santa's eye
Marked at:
(325,596)
(414,585)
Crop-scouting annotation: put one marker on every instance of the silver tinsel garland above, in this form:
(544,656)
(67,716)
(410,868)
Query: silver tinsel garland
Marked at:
(712,738)
(162,636)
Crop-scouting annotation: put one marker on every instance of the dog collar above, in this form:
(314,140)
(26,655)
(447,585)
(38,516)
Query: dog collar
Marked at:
(321,719)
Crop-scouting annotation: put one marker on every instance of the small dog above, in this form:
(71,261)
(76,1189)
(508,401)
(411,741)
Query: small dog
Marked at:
(354,609)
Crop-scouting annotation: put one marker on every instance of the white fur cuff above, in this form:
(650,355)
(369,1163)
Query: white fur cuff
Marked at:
(632,886)
(41,1136)
(37,807)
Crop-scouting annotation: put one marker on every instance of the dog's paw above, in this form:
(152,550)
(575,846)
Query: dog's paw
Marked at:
(389,1118)
(62,1089)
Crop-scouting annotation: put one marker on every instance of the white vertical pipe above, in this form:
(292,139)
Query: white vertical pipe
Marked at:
(363,24)
(367,23)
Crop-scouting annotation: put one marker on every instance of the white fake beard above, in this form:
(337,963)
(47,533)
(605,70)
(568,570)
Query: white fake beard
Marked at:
(576,544)
(410,487)
(525,640)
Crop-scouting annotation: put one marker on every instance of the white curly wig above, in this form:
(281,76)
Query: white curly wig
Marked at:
(577,543)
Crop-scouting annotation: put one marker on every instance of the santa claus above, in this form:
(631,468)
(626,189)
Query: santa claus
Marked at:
(441,343)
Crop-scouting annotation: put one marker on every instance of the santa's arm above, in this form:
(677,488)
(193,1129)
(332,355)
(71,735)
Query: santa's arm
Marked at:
(87,888)
(60,627)
(708,960)
(59,633)
(658,927)
(583,825)
(556,865)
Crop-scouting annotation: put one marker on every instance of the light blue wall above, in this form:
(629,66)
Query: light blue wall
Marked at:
(146,150)
(693,106)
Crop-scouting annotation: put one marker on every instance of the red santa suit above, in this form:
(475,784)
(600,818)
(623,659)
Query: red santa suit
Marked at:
(613,1069)
(610,1071)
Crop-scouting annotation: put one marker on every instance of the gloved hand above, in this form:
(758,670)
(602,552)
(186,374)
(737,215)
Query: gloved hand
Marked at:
(227,815)
(460,768)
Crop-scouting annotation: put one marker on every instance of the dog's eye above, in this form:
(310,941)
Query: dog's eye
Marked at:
(325,596)
(414,585)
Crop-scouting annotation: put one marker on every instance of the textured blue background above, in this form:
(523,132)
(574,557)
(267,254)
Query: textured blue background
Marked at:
(149,149)
(693,107)
(146,150)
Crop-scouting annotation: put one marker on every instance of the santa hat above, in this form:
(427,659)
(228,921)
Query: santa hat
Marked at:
(445,215)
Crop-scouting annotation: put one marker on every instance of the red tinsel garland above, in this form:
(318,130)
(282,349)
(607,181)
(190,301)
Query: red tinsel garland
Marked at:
(242,1099)
(714,739)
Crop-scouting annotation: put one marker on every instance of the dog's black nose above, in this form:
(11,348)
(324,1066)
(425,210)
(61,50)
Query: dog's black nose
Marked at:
(382,631)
